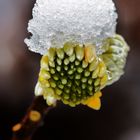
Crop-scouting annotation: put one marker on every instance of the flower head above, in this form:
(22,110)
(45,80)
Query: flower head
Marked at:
(81,51)
(75,74)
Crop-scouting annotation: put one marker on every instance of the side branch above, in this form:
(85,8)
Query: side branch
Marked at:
(32,120)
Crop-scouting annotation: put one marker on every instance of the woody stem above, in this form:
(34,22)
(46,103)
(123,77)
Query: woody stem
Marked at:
(32,120)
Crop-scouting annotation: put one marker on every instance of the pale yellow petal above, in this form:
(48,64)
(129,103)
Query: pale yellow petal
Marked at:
(94,102)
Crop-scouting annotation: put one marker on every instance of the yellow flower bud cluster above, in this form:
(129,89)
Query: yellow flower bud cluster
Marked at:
(75,74)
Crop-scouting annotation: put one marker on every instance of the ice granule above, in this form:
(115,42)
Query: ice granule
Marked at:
(58,21)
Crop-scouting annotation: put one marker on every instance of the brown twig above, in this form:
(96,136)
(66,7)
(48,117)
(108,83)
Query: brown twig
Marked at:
(32,120)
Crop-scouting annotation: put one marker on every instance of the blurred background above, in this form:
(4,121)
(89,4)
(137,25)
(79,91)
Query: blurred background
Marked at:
(119,117)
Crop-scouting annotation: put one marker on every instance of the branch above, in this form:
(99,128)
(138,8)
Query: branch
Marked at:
(32,120)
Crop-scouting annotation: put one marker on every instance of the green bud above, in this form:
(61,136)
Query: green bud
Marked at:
(70,72)
(114,49)
(51,54)
(78,76)
(71,77)
(102,71)
(45,63)
(120,64)
(90,53)
(73,88)
(79,91)
(60,53)
(84,94)
(72,104)
(69,48)
(67,90)
(110,64)
(72,66)
(55,77)
(73,97)
(64,81)
(52,71)
(107,57)
(77,62)
(97,82)
(104,80)
(66,68)
(79,52)
(60,86)
(90,93)
(58,68)
(86,73)
(52,64)
(116,42)
(119,37)
(65,101)
(66,96)
(77,82)
(97,88)
(115,57)
(79,70)
(53,84)
(62,73)
(45,74)
(93,65)
(72,58)
(59,61)
(45,83)
(84,86)
(84,80)
(49,91)
(69,84)
(95,73)
(66,61)
(90,81)
(84,64)
(90,88)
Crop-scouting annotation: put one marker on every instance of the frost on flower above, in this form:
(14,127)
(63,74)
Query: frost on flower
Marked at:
(56,22)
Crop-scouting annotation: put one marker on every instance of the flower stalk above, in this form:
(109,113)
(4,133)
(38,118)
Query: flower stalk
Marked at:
(32,120)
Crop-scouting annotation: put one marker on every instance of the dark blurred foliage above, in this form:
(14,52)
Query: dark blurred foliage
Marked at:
(119,117)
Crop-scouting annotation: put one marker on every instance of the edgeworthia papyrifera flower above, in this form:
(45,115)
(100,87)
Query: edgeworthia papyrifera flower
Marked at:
(81,51)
